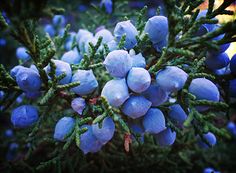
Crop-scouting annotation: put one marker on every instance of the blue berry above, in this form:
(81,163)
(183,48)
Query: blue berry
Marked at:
(204,89)
(20,98)
(136,106)
(138,79)
(88,82)
(210,137)
(166,137)
(156,95)
(128,29)
(105,34)
(3,42)
(50,30)
(233,64)
(81,33)
(13,146)
(112,45)
(157,28)
(63,127)
(218,61)
(88,142)
(106,132)
(9,133)
(21,54)
(1,95)
(61,67)
(154,121)
(107,4)
(71,57)
(118,63)
(83,40)
(177,114)
(59,20)
(138,60)
(78,104)
(26,78)
(24,116)
(232,88)
(116,92)
(231,127)
(208,170)
(171,79)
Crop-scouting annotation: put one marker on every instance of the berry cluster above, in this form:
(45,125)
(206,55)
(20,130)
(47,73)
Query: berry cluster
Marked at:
(105,79)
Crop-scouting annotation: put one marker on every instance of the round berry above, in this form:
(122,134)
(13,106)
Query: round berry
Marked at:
(88,142)
(26,78)
(71,57)
(209,170)
(118,63)
(136,106)
(218,61)
(204,89)
(171,79)
(22,54)
(106,132)
(59,20)
(24,116)
(63,127)
(138,79)
(157,28)
(128,29)
(231,127)
(88,82)
(78,104)
(116,92)
(105,34)
(166,137)
(154,121)
(50,30)
(177,114)
(209,137)
(81,33)
(61,67)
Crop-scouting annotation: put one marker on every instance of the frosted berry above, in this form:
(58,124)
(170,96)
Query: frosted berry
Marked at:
(63,127)
(138,79)
(154,121)
(24,116)
(136,106)
(88,82)
(116,92)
